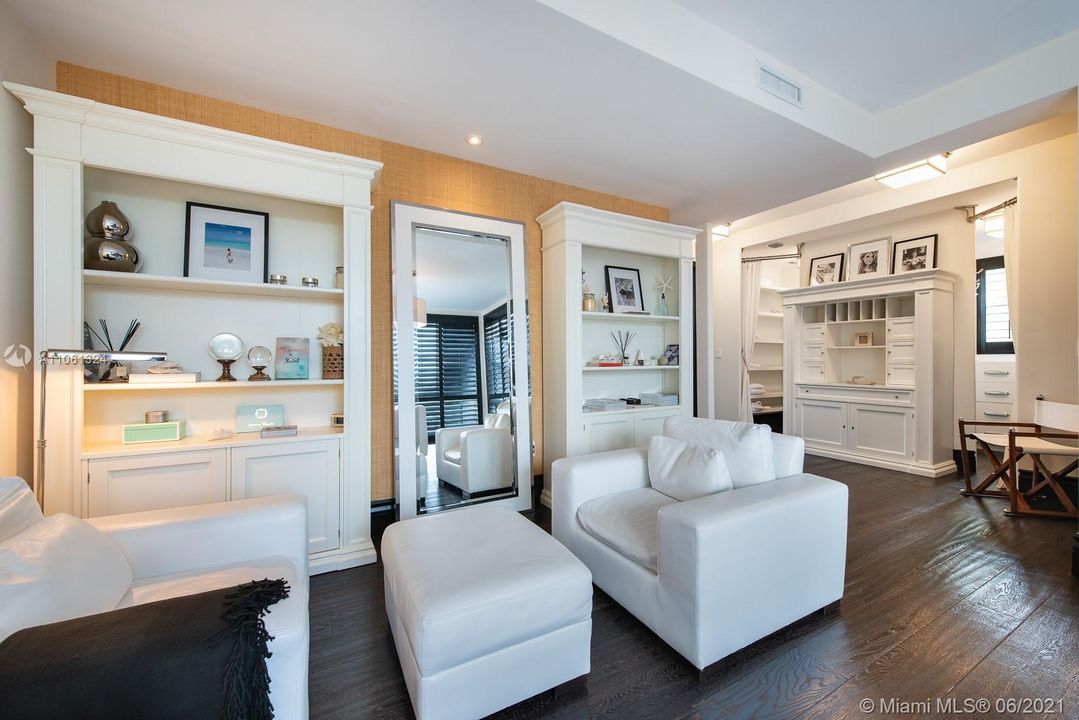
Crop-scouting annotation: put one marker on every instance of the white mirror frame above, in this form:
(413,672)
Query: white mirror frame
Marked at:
(405,218)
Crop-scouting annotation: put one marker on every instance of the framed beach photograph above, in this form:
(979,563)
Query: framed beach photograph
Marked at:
(293,358)
(827,269)
(867,259)
(624,289)
(223,243)
(916,254)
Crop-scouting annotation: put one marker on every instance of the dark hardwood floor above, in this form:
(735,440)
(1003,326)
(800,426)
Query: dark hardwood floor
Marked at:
(945,597)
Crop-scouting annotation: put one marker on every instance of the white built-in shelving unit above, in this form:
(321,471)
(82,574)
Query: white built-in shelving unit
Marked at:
(576,238)
(887,401)
(766,367)
(319,218)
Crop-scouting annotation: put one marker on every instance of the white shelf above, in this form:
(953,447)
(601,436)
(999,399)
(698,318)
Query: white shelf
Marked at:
(208,385)
(766,410)
(758,341)
(629,318)
(855,347)
(631,408)
(767,394)
(195,442)
(631,368)
(104,278)
(766,368)
(770,314)
(851,322)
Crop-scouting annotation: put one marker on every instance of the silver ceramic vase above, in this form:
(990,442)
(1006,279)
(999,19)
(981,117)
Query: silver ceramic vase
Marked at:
(106,248)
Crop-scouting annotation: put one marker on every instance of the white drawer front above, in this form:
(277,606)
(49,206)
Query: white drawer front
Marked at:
(867,394)
(995,392)
(902,329)
(901,375)
(1001,412)
(994,371)
(814,354)
(813,334)
(901,352)
(812,372)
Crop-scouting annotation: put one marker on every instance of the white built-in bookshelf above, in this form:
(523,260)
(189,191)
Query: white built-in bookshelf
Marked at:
(319,219)
(577,238)
(871,370)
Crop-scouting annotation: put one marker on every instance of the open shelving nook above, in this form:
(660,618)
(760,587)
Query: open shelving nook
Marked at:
(578,238)
(319,218)
(871,365)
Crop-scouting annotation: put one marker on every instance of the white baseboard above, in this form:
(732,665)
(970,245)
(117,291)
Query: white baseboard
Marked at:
(545,498)
(349,557)
(920,469)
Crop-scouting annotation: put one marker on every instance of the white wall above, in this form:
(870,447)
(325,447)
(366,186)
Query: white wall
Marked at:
(22,60)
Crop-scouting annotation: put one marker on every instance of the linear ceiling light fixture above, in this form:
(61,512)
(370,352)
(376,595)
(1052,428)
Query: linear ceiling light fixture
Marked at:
(915,172)
(721,231)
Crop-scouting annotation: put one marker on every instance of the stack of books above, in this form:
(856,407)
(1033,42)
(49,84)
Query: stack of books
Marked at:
(664,399)
(604,404)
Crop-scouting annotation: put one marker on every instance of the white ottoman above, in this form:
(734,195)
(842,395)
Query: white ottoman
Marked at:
(486,610)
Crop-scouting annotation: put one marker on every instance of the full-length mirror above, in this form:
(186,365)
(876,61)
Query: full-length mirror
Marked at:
(461,393)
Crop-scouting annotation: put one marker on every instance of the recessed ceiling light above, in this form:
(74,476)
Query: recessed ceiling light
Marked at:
(475,140)
(775,245)
(915,172)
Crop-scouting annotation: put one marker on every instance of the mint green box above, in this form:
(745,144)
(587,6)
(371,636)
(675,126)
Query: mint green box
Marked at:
(155,432)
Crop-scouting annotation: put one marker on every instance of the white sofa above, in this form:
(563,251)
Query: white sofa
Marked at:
(715,574)
(476,458)
(169,553)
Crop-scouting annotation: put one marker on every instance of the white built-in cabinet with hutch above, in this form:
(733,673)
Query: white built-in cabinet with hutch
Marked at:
(886,402)
(576,238)
(319,206)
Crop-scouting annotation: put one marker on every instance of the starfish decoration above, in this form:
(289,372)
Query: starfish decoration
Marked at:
(664,285)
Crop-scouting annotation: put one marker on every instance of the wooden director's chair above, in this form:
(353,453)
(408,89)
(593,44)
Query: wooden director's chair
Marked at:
(1023,439)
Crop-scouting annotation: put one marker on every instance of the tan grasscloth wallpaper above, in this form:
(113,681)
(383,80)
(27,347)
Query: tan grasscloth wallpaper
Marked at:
(410,175)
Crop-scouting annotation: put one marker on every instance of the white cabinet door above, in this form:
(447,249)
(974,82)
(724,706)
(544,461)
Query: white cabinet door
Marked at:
(154,482)
(608,432)
(822,423)
(649,423)
(310,468)
(881,431)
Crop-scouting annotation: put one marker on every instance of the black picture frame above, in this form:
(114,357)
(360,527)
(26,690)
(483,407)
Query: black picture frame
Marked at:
(931,262)
(839,270)
(638,289)
(259,273)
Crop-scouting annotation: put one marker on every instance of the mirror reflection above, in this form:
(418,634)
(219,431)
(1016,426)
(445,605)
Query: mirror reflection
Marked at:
(466,427)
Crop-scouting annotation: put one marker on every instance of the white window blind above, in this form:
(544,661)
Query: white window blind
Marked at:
(998,327)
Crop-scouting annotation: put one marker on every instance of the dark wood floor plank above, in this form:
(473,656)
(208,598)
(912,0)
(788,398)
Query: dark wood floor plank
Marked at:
(944,595)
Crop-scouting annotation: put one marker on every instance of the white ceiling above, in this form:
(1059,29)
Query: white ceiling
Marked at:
(655,104)
(461,273)
(881,54)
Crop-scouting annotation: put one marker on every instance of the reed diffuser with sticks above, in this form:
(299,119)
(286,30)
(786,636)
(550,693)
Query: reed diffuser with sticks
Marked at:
(622,339)
(115,371)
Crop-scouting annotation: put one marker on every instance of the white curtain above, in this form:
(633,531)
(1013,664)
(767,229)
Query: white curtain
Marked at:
(1011,270)
(751,302)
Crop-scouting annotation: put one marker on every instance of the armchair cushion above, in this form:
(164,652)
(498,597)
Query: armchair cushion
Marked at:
(746,448)
(57,569)
(627,523)
(453,455)
(686,472)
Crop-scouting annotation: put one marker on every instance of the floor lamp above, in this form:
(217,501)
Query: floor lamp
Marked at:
(70,357)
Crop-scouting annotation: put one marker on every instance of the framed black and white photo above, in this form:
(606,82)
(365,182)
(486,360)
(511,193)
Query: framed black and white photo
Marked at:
(624,289)
(916,254)
(222,243)
(670,354)
(867,259)
(826,270)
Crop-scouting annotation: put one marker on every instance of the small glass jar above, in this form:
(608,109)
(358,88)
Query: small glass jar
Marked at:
(339,278)
(588,302)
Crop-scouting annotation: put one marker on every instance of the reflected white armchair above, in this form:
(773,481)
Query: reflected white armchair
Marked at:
(476,458)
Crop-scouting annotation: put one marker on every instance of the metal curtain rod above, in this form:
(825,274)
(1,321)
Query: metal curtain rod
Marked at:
(761,258)
(972,216)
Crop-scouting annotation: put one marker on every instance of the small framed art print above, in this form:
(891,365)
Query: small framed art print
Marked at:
(293,358)
(916,254)
(827,269)
(624,289)
(867,259)
(223,243)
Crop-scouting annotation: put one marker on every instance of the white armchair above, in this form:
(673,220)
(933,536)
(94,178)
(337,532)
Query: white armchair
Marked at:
(188,550)
(712,575)
(476,458)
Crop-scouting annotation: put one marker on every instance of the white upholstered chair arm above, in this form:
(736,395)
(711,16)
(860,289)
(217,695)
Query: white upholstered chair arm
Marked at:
(788,453)
(203,537)
(576,480)
(449,438)
(731,559)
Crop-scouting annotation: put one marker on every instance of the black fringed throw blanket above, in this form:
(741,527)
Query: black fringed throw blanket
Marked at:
(180,658)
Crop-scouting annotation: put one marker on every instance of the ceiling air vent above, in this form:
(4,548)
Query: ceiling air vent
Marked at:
(775,84)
